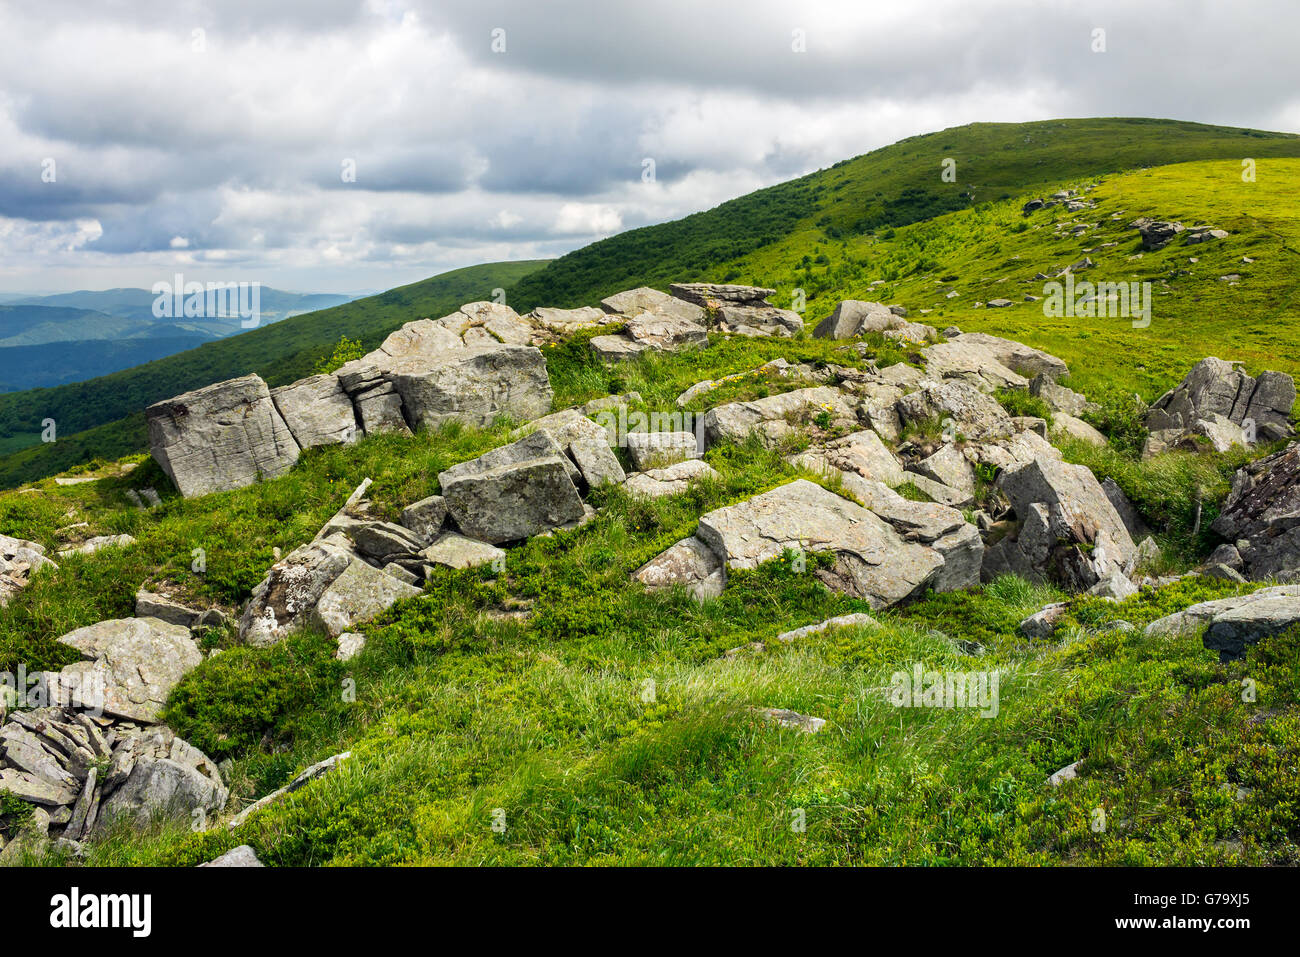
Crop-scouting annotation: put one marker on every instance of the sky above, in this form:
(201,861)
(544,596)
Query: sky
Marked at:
(349,145)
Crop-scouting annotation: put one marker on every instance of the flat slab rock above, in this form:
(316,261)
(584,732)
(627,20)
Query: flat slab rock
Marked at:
(138,661)
(872,562)
(673,480)
(1233,623)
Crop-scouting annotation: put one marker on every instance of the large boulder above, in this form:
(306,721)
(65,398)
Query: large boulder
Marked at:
(1216,396)
(667,333)
(1069,532)
(855,317)
(758,320)
(513,492)
(134,661)
(475,386)
(1262,516)
(872,561)
(164,777)
(317,411)
(632,302)
(221,437)
(1230,624)
(359,594)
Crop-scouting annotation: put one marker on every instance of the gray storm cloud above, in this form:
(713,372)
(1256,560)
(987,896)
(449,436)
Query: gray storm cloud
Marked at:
(352,144)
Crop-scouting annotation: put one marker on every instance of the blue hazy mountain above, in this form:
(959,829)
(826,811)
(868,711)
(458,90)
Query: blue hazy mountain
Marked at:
(68,337)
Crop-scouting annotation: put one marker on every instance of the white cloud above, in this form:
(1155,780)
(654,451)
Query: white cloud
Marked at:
(463,155)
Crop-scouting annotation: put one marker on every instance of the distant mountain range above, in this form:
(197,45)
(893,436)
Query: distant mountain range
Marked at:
(69,337)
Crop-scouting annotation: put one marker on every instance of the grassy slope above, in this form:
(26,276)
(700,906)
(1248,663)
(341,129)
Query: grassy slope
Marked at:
(761,237)
(103,418)
(980,254)
(892,186)
(460,710)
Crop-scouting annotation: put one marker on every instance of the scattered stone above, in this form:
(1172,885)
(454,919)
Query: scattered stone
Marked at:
(241,856)
(1067,773)
(856,620)
(351,644)
(792,720)
(689,563)
(92,545)
(1156,234)
(457,551)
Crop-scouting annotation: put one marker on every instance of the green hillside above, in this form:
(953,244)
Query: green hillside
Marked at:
(103,417)
(523,688)
(893,186)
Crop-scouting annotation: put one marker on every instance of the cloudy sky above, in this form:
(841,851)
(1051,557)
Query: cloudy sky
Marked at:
(343,145)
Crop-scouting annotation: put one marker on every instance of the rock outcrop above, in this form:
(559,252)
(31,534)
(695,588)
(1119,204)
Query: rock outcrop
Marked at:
(85,774)
(873,560)
(1068,531)
(1261,517)
(1220,402)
